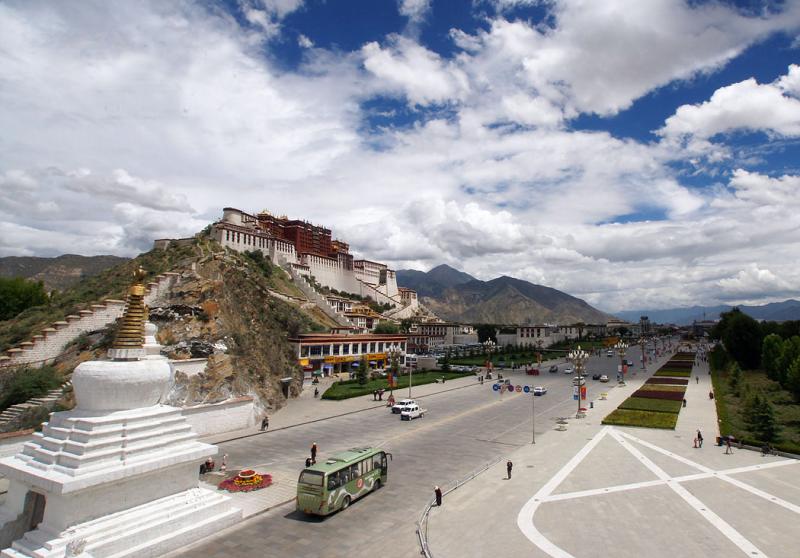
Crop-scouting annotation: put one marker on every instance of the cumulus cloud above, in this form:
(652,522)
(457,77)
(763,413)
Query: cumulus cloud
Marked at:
(414,10)
(773,108)
(753,281)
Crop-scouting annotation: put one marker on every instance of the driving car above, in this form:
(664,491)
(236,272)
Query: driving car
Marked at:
(603,378)
(553,369)
(609,353)
(578,381)
(539,390)
(569,369)
(596,376)
(401,405)
(412,412)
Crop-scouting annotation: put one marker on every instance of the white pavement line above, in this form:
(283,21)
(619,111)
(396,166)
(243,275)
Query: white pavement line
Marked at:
(599,491)
(760,493)
(760,466)
(723,526)
(667,453)
(525,516)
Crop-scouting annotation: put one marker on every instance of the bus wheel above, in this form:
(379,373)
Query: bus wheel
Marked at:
(377,485)
(345,502)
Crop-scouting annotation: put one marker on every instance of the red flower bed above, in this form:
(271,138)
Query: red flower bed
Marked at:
(668,381)
(671,395)
(246,481)
(679,364)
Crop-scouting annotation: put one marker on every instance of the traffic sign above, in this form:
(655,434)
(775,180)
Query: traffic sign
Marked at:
(510,387)
(496,387)
(575,393)
(518,389)
(526,389)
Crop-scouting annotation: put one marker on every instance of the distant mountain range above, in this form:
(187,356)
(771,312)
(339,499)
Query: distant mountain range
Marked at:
(57,273)
(774,311)
(457,296)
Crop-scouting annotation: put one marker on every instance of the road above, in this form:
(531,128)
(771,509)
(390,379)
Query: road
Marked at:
(462,430)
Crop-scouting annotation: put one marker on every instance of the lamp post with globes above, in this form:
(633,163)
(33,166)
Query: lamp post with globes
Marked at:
(489,347)
(621,347)
(394,369)
(578,358)
(643,343)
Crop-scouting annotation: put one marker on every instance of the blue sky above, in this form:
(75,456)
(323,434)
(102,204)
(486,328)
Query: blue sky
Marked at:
(635,154)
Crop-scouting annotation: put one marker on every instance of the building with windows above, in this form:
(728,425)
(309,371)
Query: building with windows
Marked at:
(326,353)
(310,250)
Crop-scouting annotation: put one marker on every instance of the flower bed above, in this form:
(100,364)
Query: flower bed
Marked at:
(673,374)
(655,405)
(246,481)
(662,387)
(648,419)
(671,395)
(668,381)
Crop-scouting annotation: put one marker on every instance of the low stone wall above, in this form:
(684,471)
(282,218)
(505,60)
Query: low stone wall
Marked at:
(46,346)
(216,418)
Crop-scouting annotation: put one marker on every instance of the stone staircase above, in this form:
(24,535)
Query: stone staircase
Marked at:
(12,418)
(319,300)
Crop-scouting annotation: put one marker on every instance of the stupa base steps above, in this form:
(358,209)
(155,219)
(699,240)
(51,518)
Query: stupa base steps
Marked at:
(146,531)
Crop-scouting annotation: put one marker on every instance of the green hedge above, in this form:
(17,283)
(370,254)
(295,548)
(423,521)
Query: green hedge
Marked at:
(680,374)
(647,419)
(351,388)
(646,404)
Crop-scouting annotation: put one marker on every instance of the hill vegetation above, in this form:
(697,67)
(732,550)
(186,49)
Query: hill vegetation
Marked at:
(57,273)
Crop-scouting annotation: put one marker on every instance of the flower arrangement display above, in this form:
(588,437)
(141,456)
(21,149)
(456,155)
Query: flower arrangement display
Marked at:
(246,481)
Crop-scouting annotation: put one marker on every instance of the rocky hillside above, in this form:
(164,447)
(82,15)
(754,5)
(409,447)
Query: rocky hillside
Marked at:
(57,273)
(504,300)
(235,310)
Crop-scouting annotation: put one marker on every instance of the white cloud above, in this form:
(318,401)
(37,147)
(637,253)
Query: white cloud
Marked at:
(414,10)
(417,72)
(753,281)
(746,105)
(304,41)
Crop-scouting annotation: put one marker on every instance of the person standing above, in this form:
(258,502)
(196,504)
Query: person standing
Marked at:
(438,492)
(684,402)
(264,423)
(314,452)
(509,466)
(697,379)
(728,449)
(699,438)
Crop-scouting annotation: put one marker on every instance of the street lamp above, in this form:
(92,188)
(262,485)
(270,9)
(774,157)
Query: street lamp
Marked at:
(539,344)
(643,343)
(488,345)
(394,368)
(578,357)
(621,347)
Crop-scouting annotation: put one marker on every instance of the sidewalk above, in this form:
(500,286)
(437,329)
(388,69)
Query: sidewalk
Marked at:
(625,492)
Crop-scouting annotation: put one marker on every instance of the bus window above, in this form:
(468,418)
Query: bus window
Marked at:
(354,472)
(376,461)
(366,466)
(333,481)
(311,477)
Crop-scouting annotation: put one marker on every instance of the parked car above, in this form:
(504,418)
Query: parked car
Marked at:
(539,390)
(553,369)
(629,362)
(412,412)
(578,381)
(603,378)
(401,405)
(609,353)
(596,376)
(569,370)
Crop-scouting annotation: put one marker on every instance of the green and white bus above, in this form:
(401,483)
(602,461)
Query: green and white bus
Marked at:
(333,484)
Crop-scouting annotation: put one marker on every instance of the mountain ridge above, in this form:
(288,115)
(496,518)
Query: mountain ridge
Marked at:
(774,311)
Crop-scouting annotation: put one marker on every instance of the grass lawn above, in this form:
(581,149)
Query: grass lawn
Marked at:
(656,405)
(647,419)
(678,374)
(730,407)
(351,388)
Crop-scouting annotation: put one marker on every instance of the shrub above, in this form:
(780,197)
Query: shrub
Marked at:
(667,381)
(30,382)
(671,395)
(673,374)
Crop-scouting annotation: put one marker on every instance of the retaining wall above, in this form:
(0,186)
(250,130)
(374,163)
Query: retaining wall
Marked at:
(216,418)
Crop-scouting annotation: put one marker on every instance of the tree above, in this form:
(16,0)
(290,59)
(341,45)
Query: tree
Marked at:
(385,326)
(735,378)
(405,325)
(486,332)
(741,336)
(361,373)
(445,366)
(793,379)
(770,354)
(760,418)
(18,294)
(790,352)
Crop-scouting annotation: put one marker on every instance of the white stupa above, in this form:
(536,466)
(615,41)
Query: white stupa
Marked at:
(119,474)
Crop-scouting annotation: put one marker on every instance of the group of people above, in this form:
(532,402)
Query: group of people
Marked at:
(377,394)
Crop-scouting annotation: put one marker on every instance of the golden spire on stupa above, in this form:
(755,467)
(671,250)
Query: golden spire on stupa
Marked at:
(129,340)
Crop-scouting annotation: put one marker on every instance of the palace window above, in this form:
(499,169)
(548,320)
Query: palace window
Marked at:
(346,349)
(336,349)
(364,348)
(326,350)
(315,350)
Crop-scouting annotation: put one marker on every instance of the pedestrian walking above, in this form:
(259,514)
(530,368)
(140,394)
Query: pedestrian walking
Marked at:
(509,466)
(699,438)
(711,395)
(380,394)
(728,449)
(684,402)
(374,394)
(697,379)
(438,492)
(264,423)
(313,452)
(224,466)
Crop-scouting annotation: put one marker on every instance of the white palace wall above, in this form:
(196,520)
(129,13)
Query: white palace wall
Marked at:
(45,347)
